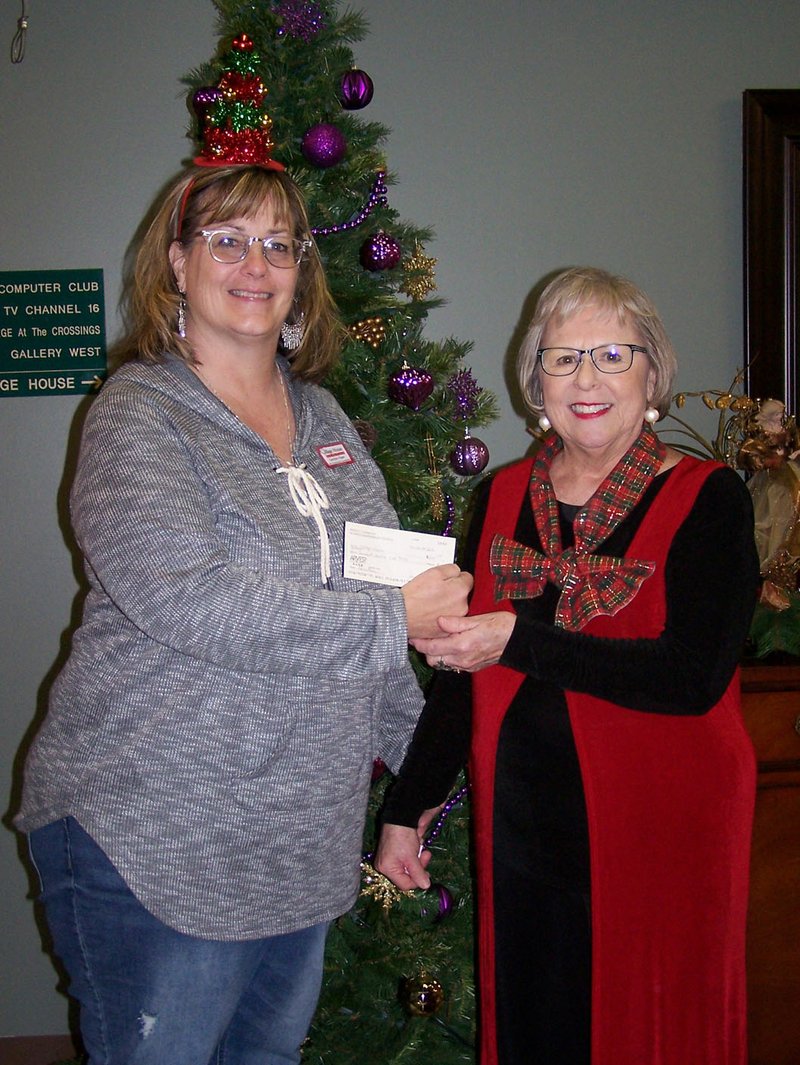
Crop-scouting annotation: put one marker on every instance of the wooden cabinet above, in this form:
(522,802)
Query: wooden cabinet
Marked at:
(771,708)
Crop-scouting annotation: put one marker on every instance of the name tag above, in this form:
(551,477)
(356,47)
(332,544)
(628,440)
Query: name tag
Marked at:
(392,556)
(334,455)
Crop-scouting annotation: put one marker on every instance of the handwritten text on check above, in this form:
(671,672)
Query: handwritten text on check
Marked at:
(392,556)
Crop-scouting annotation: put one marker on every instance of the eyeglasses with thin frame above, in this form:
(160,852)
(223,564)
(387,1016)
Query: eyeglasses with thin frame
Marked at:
(608,358)
(228,247)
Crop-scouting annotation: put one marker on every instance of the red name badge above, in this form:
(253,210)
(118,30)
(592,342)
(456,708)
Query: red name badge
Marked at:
(334,455)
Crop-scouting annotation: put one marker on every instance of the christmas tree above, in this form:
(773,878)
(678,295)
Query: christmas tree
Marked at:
(285,77)
(399,977)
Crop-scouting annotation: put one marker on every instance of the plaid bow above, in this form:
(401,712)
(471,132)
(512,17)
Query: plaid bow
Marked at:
(590,584)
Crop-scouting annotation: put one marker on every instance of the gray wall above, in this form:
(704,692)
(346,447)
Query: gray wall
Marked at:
(532,134)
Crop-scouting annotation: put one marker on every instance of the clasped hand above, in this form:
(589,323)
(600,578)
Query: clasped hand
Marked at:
(468,643)
(434,592)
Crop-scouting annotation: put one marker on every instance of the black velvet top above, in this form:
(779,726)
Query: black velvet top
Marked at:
(540,823)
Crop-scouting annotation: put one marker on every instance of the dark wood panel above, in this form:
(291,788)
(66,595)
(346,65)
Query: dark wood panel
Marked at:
(771,706)
(773,929)
(771,143)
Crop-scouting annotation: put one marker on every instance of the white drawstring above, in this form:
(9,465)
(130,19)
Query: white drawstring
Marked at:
(310,500)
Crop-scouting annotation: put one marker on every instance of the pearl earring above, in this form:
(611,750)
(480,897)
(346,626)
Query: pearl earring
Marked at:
(544,423)
(651,415)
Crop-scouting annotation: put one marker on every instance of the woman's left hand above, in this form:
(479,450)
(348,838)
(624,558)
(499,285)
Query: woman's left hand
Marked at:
(472,643)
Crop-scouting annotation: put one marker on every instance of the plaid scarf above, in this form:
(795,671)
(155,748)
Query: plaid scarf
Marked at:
(590,584)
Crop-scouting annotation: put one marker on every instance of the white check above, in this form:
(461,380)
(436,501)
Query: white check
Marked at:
(392,556)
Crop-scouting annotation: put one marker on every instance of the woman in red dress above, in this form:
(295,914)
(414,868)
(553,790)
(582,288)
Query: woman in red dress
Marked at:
(594,690)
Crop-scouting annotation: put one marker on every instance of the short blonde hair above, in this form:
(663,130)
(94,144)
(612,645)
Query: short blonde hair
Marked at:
(587,286)
(217,194)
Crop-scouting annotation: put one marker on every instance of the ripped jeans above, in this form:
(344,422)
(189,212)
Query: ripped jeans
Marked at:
(149,995)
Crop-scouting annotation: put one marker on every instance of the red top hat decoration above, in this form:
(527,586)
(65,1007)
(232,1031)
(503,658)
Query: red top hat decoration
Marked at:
(235,126)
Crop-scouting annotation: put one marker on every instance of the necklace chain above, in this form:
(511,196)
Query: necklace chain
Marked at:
(284,390)
(289,435)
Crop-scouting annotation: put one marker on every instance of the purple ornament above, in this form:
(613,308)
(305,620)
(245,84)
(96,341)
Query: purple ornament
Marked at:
(380,252)
(445,900)
(204,99)
(301,18)
(324,145)
(465,391)
(436,904)
(356,89)
(469,456)
(410,386)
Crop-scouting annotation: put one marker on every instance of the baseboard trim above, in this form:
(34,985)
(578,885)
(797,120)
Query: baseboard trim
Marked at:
(36,1049)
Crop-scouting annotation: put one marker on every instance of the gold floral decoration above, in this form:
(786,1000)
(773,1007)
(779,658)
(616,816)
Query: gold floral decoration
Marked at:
(735,413)
(370,331)
(378,887)
(760,438)
(418,275)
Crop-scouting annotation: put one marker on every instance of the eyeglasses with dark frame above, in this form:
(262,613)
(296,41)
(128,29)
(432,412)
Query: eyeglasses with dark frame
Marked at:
(228,247)
(608,358)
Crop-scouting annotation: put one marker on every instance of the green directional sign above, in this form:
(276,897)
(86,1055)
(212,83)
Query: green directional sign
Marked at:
(52,332)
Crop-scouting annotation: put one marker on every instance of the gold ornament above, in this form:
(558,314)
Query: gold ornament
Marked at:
(732,408)
(780,579)
(378,887)
(437,492)
(420,995)
(370,331)
(438,502)
(418,270)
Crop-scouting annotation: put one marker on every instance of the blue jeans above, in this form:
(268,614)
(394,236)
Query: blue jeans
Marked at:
(149,995)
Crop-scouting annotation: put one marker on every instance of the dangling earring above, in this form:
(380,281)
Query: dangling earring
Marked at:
(182,316)
(651,415)
(544,423)
(292,334)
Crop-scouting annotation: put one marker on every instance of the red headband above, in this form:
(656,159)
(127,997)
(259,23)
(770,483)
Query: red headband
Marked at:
(182,207)
(270,164)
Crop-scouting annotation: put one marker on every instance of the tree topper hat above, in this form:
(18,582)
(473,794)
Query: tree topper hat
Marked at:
(235,128)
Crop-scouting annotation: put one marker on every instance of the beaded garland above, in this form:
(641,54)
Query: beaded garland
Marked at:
(447,809)
(377,198)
